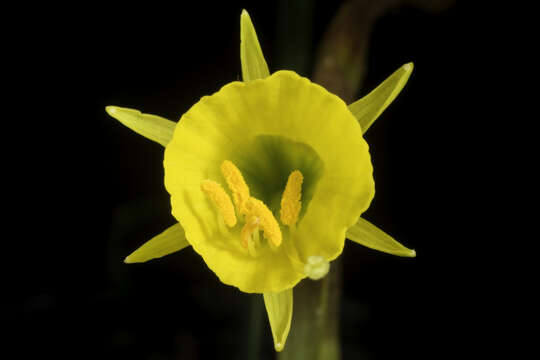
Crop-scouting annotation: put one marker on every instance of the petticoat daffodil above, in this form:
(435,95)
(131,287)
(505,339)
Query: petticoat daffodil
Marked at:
(267,178)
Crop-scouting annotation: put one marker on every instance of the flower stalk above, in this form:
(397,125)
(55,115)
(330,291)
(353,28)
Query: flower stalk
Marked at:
(315,324)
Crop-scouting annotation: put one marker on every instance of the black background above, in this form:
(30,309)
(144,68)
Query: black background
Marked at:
(89,191)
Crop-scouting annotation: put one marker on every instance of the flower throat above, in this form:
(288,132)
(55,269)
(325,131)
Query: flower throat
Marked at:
(253,212)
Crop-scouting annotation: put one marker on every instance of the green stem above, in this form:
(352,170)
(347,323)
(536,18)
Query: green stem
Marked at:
(315,326)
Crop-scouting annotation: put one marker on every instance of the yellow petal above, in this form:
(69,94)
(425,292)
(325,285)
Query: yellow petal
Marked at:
(367,234)
(368,108)
(150,126)
(171,240)
(253,63)
(279,307)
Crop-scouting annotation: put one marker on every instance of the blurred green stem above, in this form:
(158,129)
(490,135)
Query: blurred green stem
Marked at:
(294,36)
(315,326)
(342,62)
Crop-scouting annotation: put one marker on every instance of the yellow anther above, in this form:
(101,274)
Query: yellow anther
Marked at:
(290,201)
(267,222)
(221,199)
(237,185)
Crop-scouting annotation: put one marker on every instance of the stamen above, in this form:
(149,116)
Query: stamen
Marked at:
(221,200)
(257,214)
(251,226)
(252,246)
(268,223)
(237,185)
(290,201)
(250,235)
(316,267)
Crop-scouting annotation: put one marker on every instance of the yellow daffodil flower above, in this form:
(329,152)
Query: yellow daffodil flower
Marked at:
(267,178)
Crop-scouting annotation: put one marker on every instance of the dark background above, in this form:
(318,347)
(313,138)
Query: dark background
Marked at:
(91,190)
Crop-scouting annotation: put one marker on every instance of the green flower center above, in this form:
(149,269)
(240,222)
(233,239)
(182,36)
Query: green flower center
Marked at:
(266,163)
(276,177)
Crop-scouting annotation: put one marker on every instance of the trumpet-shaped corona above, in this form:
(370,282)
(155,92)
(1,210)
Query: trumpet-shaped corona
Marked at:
(221,200)
(290,201)
(278,170)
